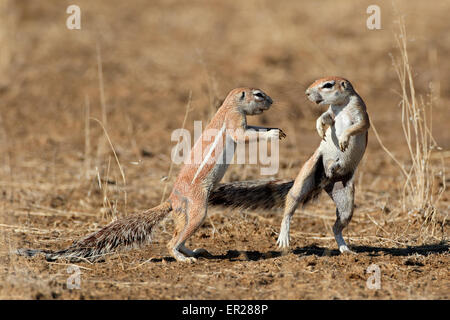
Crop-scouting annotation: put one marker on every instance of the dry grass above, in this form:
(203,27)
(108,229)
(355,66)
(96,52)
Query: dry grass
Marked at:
(419,192)
(424,182)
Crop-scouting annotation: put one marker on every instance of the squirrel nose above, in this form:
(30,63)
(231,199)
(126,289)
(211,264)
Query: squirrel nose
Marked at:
(269,99)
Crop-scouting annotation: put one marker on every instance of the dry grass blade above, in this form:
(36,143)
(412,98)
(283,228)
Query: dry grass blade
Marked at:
(117,160)
(87,143)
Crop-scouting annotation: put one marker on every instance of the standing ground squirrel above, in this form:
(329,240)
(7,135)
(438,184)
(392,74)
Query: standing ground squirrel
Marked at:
(189,198)
(331,167)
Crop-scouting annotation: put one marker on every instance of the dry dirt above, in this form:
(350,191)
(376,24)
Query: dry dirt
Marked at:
(59,179)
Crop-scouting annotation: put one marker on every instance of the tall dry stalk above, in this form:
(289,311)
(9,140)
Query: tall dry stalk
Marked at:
(122,173)
(419,190)
(87,138)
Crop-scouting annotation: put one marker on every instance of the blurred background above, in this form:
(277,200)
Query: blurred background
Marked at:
(132,66)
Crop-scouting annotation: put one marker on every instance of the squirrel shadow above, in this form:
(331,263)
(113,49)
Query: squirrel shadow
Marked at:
(314,250)
(423,250)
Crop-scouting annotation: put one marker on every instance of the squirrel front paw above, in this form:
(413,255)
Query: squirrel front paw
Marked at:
(320,126)
(343,142)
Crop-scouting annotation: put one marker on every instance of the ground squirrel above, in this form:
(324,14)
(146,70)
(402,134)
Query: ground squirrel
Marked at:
(189,198)
(331,167)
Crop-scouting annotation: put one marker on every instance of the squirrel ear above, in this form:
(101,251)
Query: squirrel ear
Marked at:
(344,84)
(243,95)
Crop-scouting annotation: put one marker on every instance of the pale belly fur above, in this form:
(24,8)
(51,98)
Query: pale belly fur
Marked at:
(350,158)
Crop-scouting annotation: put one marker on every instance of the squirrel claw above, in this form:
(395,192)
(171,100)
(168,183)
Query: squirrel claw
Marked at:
(283,243)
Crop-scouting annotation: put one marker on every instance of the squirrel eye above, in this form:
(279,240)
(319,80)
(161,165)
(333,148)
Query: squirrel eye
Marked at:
(328,85)
(259,95)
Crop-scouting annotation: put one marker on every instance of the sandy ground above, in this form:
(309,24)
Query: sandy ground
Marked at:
(59,179)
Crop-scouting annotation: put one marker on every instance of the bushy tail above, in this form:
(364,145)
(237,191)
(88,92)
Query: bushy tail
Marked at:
(257,194)
(131,231)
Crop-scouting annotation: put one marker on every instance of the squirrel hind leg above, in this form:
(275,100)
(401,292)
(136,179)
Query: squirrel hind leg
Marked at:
(188,220)
(306,186)
(342,194)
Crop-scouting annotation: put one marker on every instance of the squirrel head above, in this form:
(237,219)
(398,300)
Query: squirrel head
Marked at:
(330,90)
(249,101)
